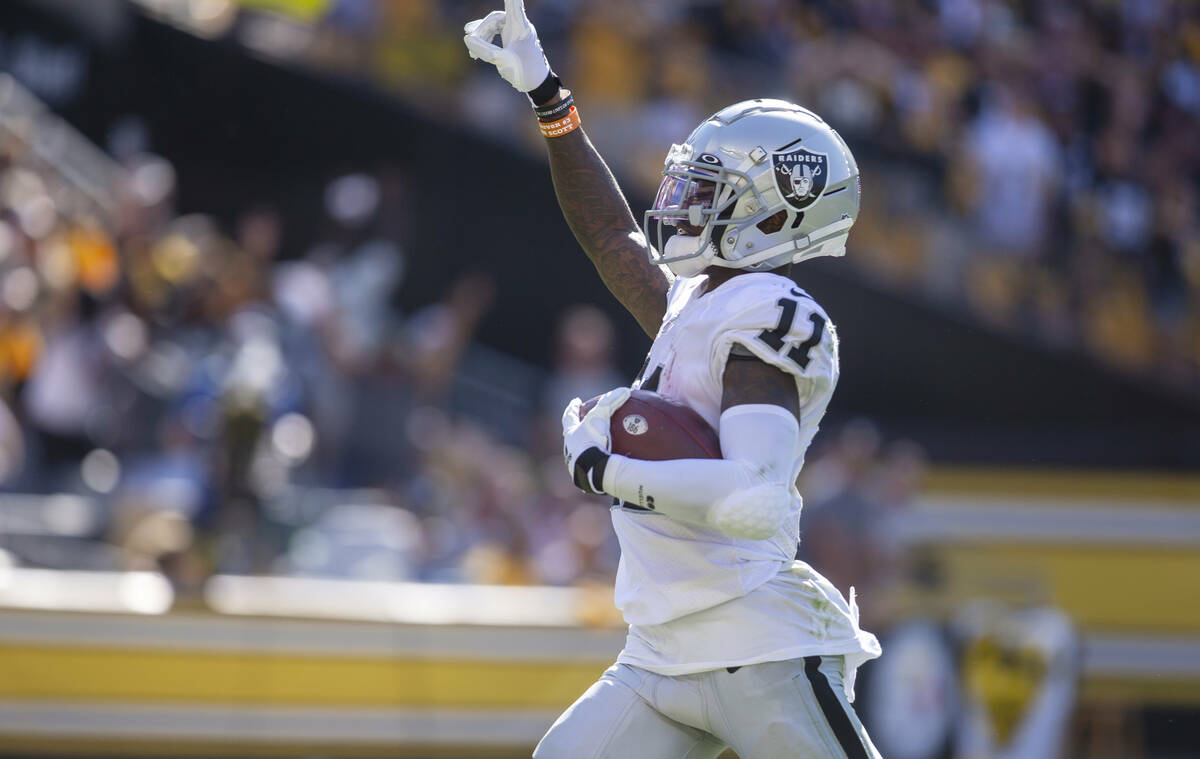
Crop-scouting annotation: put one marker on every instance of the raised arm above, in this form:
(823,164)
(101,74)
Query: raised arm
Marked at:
(598,214)
(591,201)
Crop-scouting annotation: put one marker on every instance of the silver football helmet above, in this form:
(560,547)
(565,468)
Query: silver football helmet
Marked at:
(757,185)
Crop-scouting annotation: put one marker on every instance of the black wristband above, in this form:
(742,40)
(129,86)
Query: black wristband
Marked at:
(545,91)
(589,470)
(557,111)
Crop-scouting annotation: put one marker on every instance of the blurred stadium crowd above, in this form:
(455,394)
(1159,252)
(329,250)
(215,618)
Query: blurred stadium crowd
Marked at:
(220,410)
(1033,162)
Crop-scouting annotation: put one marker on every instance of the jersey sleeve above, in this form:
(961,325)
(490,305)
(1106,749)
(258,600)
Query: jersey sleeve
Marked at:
(781,325)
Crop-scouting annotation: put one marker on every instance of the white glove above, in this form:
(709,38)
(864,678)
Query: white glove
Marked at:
(586,443)
(520,59)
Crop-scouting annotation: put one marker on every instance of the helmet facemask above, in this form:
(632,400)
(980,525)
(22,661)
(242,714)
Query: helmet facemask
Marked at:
(698,198)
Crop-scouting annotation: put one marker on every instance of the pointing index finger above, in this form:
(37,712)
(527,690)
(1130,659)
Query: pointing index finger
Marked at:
(514,15)
(515,7)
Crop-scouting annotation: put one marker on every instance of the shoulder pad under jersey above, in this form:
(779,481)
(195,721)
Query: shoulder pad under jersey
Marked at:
(777,322)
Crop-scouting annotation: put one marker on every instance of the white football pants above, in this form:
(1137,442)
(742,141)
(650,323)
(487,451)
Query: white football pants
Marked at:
(779,710)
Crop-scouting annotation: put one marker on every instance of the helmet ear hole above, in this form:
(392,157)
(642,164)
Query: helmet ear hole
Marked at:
(772,223)
(798,220)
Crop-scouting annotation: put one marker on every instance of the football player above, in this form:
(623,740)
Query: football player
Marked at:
(731,642)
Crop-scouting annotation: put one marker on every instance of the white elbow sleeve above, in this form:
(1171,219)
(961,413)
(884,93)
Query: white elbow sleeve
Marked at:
(766,437)
(763,435)
(756,513)
(746,494)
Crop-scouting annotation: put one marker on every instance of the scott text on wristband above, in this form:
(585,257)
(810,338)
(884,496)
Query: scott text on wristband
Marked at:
(565,125)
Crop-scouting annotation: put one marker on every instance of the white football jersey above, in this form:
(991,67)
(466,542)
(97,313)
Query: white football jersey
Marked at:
(695,598)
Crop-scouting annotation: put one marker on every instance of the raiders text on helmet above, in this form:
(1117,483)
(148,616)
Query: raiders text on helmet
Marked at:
(757,185)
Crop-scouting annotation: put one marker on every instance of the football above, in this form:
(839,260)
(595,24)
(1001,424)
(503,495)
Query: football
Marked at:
(652,428)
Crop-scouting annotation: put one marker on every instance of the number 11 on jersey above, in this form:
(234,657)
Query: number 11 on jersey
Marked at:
(774,337)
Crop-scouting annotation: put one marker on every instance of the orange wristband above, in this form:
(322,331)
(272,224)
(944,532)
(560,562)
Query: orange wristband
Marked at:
(565,125)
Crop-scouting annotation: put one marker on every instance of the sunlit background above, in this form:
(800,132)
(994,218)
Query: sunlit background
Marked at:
(288,316)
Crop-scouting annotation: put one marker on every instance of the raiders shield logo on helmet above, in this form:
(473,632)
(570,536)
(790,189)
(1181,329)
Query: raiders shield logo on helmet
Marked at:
(800,176)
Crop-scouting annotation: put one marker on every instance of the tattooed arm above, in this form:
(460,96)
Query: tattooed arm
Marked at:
(599,215)
(749,380)
(592,203)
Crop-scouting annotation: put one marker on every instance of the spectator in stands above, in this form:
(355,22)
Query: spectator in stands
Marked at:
(1015,164)
(584,359)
